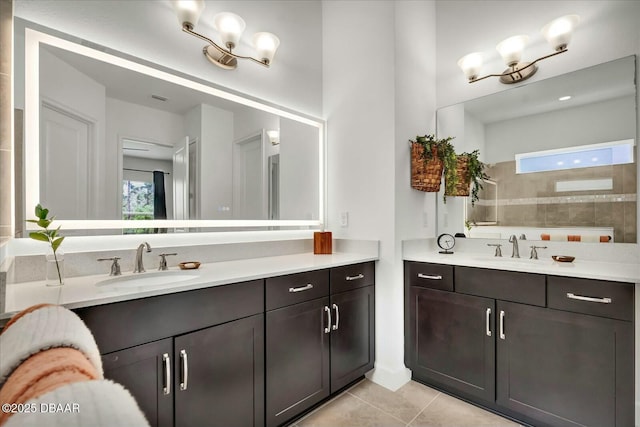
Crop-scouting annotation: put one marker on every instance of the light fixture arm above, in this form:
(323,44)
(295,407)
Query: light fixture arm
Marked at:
(510,74)
(228,55)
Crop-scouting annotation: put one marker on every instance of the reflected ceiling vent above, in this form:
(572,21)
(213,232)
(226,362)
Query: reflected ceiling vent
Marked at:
(160,98)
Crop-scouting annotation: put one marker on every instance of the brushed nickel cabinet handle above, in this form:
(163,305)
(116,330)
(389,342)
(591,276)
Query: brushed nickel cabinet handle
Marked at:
(429,276)
(328,328)
(302,288)
(337,324)
(166,360)
(356,277)
(488,322)
(589,299)
(502,335)
(185,370)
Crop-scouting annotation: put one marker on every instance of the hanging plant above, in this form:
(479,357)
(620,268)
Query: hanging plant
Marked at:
(430,156)
(469,173)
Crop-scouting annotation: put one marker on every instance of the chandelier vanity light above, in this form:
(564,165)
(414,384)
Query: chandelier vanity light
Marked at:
(230,27)
(558,35)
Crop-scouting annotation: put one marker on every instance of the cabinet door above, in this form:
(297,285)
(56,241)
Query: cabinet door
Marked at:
(219,375)
(565,369)
(297,354)
(352,335)
(143,371)
(452,340)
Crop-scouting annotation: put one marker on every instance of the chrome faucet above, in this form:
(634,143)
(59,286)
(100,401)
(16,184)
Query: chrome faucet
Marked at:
(516,252)
(138,265)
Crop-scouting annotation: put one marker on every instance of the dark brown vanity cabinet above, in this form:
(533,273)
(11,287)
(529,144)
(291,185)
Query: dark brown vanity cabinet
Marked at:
(551,351)
(319,336)
(206,366)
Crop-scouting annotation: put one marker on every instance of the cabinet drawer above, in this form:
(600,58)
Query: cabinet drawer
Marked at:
(353,276)
(427,275)
(294,288)
(513,286)
(595,297)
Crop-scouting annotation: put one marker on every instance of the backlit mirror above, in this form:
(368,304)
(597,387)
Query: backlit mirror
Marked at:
(561,156)
(111,142)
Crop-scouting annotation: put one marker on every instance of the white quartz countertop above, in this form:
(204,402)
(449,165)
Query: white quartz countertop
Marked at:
(83,292)
(618,272)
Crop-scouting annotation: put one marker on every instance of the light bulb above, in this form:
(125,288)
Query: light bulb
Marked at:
(471,65)
(230,26)
(511,49)
(188,11)
(266,44)
(558,32)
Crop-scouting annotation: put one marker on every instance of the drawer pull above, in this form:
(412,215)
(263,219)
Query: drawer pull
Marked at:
(589,299)
(167,373)
(302,288)
(502,335)
(358,277)
(185,370)
(328,328)
(488,322)
(429,276)
(337,325)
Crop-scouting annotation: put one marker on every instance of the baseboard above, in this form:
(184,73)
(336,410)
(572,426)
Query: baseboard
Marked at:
(390,379)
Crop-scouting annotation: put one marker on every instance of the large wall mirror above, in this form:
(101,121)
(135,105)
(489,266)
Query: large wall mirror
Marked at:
(114,143)
(561,155)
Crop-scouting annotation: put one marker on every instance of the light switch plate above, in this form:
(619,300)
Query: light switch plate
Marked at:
(344,219)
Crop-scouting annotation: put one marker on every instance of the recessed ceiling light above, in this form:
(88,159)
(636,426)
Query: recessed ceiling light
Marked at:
(560,163)
(564,98)
(594,159)
(576,161)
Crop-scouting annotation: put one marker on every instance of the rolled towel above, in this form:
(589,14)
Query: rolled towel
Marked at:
(100,403)
(559,237)
(574,237)
(591,239)
(42,329)
(44,372)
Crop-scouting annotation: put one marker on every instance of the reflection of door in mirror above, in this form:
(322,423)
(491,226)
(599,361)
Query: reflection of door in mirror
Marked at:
(193,179)
(181,179)
(65,144)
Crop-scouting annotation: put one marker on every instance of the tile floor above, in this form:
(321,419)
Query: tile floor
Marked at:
(367,404)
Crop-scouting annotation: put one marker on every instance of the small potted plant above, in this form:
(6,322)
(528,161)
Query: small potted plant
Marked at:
(429,157)
(54,265)
(467,177)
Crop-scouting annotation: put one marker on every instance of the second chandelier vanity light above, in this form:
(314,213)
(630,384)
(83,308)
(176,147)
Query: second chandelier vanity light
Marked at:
(558,34)
(230,27)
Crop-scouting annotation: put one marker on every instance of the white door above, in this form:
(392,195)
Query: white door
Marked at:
(248,179)
(64,173)
(181,179)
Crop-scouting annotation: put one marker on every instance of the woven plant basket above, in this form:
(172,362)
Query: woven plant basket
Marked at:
(463,185)
(425,175)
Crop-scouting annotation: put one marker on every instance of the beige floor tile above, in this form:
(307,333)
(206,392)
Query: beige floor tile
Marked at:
(405,403)
(347,410)
(447,411)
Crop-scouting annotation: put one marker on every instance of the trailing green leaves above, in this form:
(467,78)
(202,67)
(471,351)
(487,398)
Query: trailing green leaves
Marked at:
(50,236)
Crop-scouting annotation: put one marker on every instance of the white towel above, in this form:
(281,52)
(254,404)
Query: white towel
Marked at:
(42,329)
(591,239)
(99,403)
(558,237)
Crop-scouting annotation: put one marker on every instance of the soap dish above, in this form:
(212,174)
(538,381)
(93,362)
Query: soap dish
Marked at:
(189,265)
(563,258)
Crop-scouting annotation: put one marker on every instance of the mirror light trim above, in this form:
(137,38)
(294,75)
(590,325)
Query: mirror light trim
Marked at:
(34,38)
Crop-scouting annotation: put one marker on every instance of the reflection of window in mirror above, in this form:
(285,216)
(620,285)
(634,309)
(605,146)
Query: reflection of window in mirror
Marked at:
(137,203)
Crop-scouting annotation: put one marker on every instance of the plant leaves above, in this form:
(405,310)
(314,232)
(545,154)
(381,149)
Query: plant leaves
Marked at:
(38,235)
(44,223)
(56,243)
(39,210)
(35,221)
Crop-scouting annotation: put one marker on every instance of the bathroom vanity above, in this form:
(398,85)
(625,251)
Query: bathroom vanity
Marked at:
(546,349)
(248,342)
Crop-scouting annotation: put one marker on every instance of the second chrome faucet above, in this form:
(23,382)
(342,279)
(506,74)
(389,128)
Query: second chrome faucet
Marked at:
(516,252)
(138,265)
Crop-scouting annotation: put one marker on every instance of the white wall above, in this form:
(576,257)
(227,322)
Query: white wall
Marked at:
(381,94)
(611,120)
(216,161)
(150,30)
(299,186)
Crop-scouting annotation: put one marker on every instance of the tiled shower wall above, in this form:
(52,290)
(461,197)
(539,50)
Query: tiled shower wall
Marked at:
(531,199)
(6,145)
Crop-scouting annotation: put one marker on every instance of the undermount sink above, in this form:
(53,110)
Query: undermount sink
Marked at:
(507,260)
(148,280)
